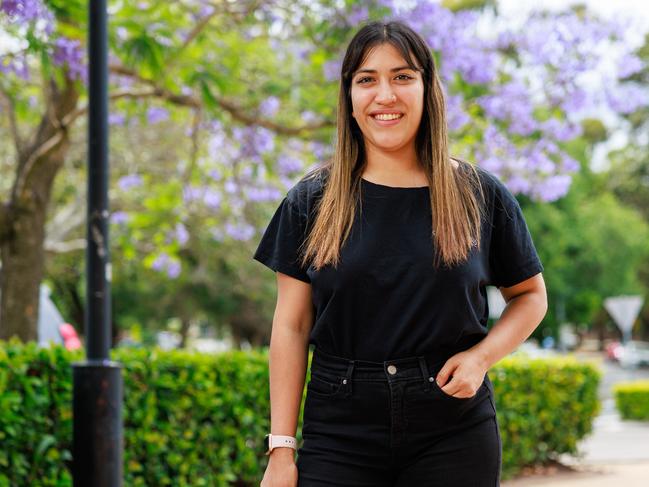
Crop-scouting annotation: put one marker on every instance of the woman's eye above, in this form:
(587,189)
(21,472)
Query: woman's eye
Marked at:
(362,80)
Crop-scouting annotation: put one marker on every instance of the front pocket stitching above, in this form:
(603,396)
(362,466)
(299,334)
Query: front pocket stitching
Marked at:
(338,386)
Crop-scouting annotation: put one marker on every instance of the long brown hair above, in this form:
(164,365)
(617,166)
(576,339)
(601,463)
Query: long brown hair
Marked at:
(456,211)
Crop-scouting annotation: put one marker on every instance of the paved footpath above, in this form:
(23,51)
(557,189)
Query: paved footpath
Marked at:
(609,475)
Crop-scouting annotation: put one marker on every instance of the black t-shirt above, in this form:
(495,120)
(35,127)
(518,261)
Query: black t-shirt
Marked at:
(385,300)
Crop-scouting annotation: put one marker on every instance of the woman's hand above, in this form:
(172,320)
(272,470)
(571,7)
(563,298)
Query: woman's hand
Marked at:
(281,470)
(466,370)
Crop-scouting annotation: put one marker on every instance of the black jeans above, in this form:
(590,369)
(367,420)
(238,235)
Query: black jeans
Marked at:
(388,424)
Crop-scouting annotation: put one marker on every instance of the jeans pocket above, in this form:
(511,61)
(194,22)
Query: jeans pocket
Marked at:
(324,384)
(444,395)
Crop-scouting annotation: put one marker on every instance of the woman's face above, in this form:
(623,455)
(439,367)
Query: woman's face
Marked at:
(386,89)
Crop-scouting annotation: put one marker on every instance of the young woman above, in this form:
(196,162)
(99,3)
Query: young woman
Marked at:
(382,258)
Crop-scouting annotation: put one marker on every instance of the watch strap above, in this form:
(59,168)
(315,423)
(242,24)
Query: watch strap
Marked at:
(275,441)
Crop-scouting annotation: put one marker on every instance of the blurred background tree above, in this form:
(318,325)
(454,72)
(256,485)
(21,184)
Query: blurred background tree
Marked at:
(217,108)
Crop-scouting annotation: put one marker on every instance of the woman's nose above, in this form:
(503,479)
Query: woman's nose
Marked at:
(385,96)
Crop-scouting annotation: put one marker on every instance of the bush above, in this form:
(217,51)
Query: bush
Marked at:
(544,406)
(192,419)
(632,399)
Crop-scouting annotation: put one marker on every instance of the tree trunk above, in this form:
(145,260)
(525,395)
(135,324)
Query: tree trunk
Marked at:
(22,222)
(185,323)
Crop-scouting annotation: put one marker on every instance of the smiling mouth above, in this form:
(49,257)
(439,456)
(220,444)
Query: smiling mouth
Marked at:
(387,117)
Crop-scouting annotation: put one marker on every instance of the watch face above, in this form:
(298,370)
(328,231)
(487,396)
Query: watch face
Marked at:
(266,442)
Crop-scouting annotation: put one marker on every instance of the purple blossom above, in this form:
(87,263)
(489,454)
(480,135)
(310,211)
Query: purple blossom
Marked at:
(260,195)
(119,217)
(157,114)
(173,269)
(331,69)
(287,164)
(210,197)
(518,184)
(182,236)
(320,150)
(553,187)
(457,117)
(569,164)
(492,164)
(309,117)
(240,231)
(575,100)
(129,181)
(24,11)
(510,102)
(163,262)
(627,97)
(628,65)
(70,52)
(264,140)
(160,262)
(116,118)
(269,106)
(561,129)
(230,186)
(16,65)
(357,15)
(215,174)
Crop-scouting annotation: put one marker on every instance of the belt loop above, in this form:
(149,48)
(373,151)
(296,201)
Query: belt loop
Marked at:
(424,373)
(348,376)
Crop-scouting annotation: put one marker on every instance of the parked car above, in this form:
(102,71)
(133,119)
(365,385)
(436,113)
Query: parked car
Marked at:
(613,351)
(634,354)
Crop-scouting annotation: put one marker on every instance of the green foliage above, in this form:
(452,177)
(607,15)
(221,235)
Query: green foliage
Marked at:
(632,399)
(544,406)
(192,419)
(591,246)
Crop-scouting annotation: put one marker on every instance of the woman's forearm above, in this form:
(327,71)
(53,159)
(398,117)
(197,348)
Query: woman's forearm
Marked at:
(520,317)
(287,368)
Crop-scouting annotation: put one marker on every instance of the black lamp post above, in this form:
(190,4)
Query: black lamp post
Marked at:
(97,382)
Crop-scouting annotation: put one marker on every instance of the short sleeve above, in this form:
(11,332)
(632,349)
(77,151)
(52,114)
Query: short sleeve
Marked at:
(512,254)
(280,244)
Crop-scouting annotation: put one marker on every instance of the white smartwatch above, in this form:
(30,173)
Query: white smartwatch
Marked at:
(275,441)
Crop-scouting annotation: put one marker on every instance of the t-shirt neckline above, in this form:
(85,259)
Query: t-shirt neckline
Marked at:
(393,188)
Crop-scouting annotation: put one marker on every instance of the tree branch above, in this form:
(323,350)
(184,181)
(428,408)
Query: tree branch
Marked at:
(37,153)
(237,113)
(62,247)
(201,24)
(65,221)
(8,104)
(51,132)
(4,220)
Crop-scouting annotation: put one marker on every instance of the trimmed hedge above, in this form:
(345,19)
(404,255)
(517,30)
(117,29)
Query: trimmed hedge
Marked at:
(192,419)
(632,399)
(545,407)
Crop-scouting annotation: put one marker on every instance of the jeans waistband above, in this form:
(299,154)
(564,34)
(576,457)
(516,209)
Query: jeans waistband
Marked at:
(420,366)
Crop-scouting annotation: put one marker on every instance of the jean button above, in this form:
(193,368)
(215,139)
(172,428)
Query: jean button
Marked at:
(392,369)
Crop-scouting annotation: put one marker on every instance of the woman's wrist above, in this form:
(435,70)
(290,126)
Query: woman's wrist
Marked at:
(283,453)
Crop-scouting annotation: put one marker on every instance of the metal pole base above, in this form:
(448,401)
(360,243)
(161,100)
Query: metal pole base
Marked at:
(97,414)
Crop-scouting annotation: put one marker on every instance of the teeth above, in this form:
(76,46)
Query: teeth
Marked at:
(388,116)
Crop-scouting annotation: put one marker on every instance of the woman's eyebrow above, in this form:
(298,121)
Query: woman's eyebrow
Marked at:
(366,70)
